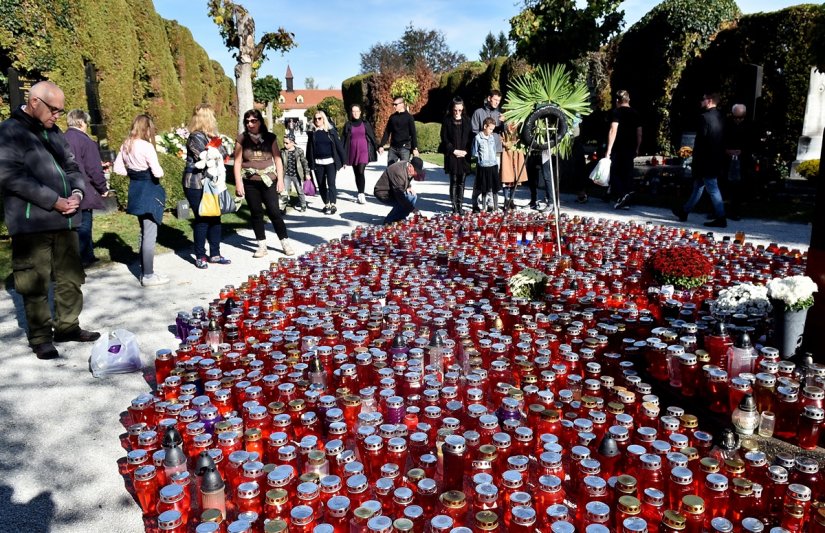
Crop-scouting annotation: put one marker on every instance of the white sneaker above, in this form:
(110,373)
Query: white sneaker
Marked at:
(262,250)
(361,199)
(287,247)
(153,280)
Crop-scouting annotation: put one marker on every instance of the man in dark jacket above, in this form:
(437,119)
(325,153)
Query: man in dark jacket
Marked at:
(400,132)
(709,162)
(87,155)
(42,190)
(394,188)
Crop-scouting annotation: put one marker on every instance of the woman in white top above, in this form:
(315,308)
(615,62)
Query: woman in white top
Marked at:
(138,159)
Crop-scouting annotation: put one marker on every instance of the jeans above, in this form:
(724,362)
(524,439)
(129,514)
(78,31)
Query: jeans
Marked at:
(325,174)
(37,259)
(289,182)
(203,228)
(259,197)
(402,153)
(400,211)
(712,186)
(146,244)
(84,234)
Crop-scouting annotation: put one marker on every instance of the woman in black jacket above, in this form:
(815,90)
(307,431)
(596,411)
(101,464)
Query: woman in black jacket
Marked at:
(360,147)
(456,139)
(326,155)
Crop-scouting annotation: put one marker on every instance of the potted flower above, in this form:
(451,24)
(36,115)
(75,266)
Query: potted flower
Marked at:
(745,298)
(529,283)
(684,267)
(791,298)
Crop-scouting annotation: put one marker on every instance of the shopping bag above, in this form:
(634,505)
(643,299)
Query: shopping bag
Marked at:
(309,188)
(115,353)
(227,202)
(210,202)
(601,173)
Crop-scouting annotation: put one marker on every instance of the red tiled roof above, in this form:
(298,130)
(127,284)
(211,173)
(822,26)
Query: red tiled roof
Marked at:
(311,97)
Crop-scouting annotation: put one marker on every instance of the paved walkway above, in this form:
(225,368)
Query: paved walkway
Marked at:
(60,449)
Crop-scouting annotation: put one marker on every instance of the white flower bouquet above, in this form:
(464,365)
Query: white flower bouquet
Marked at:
(795,292)
(744,298)
(529,283)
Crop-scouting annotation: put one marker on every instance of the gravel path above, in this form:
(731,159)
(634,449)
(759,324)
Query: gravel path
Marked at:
(60,450)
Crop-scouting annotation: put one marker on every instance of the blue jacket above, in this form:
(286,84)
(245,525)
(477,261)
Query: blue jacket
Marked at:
(36,168)
(486,149)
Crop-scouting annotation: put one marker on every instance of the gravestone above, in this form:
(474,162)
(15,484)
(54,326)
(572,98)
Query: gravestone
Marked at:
(810,143)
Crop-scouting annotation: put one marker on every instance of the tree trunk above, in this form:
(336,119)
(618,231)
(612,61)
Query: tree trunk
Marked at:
(269,123)
(243,82)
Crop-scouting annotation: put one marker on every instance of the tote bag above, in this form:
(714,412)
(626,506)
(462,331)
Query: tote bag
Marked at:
(210,202)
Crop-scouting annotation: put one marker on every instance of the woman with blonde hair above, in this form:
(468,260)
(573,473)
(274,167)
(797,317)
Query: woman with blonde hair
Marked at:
(203,134)
(138,159)
(325,153)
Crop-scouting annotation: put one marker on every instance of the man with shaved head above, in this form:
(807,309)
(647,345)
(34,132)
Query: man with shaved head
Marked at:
(42,187)
(739,133)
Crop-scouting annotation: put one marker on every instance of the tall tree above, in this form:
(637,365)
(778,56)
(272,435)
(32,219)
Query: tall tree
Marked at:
(558,31)
(267,90)
(494,47)
(309,83)
(238,31)
(416,44)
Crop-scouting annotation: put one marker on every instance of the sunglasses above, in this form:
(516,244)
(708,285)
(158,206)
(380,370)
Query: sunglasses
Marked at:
(54,110)
(251,121)
(319,118)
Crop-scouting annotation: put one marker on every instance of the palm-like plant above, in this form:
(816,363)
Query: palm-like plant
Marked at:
(548,85)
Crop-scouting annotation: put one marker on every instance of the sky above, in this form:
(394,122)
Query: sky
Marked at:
(332,34)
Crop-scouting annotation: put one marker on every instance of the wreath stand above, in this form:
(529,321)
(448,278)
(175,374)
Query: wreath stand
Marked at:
(540,118)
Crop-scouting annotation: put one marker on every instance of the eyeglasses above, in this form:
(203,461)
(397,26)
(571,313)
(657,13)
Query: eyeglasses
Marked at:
(54,110)
(251,121)
(319,118)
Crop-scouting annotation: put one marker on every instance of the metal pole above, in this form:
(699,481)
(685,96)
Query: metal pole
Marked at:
(553,186)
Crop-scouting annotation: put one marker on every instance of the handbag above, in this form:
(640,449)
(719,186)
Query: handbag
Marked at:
(309,188)
(227,202)
(210,205)
(601,173)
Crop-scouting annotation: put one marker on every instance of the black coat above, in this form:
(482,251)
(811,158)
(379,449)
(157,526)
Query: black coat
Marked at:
(338,153)
(36,168)
(372,144)
(449,132)
(709,159)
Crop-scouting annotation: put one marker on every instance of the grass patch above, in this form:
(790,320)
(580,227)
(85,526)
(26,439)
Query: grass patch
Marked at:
(434,158)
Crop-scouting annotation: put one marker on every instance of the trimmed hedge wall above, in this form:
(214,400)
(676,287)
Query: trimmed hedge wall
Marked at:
(132,48)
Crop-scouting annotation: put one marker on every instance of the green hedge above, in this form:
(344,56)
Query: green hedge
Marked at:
(429,136)
(809,169)
(172,182)
(652,56)
(144,63)
(354,90)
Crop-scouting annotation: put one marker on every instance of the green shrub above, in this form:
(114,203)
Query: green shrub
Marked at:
(809,169)
(429,136)
(172,182)
(354,90)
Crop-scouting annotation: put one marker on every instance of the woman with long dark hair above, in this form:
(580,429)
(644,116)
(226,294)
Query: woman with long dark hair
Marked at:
(360,147)
(326,155)
(259,176)
(456,142)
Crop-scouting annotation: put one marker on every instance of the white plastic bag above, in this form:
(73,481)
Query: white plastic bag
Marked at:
(115,353)
(601,174)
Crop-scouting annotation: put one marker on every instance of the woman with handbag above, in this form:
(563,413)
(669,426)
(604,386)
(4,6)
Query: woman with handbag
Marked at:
(360,147)
(203,134)
(259,176)
(326,154)
(138,159)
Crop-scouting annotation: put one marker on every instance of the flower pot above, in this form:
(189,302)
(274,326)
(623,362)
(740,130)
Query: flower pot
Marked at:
(788,327)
